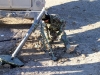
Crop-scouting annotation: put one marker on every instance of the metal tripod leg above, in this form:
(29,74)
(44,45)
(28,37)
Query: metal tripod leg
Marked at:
(44,38)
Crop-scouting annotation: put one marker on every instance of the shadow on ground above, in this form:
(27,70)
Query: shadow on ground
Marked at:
(83,69)
(83,12)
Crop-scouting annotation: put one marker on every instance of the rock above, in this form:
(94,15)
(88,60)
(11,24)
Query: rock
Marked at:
(71,49)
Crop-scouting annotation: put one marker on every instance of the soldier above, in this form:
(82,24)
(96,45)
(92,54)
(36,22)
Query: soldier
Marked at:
(55,27)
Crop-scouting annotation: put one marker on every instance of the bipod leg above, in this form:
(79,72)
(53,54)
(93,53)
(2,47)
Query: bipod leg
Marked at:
(45,39)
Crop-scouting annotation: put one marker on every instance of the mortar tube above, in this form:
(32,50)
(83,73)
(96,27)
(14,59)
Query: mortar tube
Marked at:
(32,29)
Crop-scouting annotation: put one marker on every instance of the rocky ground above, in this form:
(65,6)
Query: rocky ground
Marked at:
(83,31)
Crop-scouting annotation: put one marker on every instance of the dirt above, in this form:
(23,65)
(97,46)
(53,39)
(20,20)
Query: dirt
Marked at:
(83,31)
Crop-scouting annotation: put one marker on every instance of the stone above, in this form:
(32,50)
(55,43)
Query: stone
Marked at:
(71,49)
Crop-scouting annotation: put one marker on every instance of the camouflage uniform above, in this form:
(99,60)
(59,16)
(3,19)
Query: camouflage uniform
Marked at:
(56,29)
